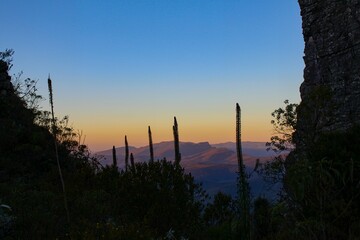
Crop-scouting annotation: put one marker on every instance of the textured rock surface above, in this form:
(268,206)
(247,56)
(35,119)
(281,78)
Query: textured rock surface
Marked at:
(331,89)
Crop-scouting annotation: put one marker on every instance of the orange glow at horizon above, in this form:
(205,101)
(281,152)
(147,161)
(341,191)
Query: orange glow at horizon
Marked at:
(108,135)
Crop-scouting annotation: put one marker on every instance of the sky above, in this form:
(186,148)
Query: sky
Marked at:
(120,66)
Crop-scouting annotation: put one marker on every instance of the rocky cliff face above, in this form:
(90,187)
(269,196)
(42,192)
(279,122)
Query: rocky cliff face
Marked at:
(331,89)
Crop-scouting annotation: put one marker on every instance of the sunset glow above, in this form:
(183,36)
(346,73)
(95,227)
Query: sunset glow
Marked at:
(120,66)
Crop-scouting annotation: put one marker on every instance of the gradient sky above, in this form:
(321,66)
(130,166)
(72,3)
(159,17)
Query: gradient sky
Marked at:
(119,66)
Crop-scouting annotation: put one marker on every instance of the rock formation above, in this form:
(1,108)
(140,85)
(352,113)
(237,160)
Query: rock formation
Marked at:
(331,89)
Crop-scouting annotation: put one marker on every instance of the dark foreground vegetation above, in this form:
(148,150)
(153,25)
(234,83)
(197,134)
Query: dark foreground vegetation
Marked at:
(152,200)
(157,200)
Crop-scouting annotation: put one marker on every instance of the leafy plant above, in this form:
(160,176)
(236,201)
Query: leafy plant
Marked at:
(284,124)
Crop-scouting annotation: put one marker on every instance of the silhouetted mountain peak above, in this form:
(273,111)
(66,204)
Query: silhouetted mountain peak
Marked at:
(194,155)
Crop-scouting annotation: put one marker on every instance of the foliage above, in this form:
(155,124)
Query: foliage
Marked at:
(321,194)
(221,210)
(262,218)
(158,199)
(27,91)
(159,195)
(324,188)
(6,56)
(321,186)
(220,218)
(273,171)
(103,202)
(284,124)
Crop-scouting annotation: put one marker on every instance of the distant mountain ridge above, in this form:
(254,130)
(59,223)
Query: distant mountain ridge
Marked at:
(192,152)
(254,149)
(214,165)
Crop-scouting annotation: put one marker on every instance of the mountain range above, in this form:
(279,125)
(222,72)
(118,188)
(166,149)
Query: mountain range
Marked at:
(214,165)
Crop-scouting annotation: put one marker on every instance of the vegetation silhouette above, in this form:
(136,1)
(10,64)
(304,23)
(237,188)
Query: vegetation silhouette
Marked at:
(151,145)
(176,142)
(126,154)
(54,132)
(157,199)
(243,184)
(320,195)
(103,202)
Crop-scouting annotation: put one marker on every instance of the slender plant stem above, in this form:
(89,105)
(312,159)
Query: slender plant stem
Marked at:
(176,142)
(114,157)
(151,145)
(56,150)
(126,154)
(243,185)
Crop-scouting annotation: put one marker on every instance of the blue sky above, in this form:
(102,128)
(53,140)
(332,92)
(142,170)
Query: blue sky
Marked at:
(119,66)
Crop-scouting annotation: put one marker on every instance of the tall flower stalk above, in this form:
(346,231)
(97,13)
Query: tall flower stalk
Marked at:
(176,142)
(151,145)
(243,184)
(114,157)
(126,154)
(53,126)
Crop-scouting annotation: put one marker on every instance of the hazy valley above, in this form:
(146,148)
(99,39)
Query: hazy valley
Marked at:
(214,165)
